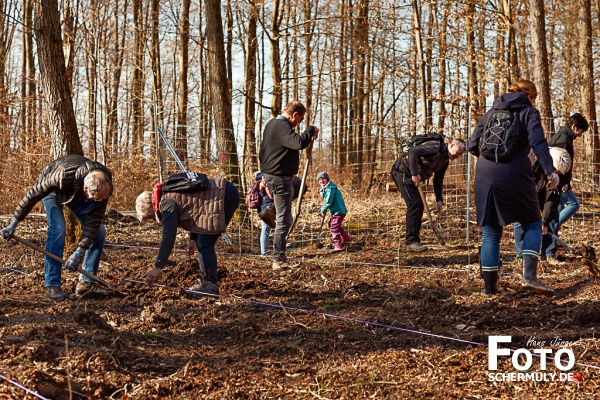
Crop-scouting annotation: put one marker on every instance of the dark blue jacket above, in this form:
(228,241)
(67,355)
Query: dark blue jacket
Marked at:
(505,192)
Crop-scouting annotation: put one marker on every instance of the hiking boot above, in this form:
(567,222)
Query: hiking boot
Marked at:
(83,287)
(55,293)
(199,289)
(529,280)
(416,247)
(281,264)
(552,260)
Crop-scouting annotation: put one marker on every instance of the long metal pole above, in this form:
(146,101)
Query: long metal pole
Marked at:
(469,156)
(171,149)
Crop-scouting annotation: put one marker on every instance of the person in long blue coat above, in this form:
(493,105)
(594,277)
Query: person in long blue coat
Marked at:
(505,191)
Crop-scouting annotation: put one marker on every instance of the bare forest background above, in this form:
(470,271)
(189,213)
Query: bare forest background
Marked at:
(103,78)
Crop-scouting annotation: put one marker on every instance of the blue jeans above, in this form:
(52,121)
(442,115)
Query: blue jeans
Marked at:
(283,192)
(567,207)
(264,238)
(528,239)
(548,243)
(55,242)
(207,256)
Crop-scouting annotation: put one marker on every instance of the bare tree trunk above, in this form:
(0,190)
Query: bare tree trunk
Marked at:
(91,58)
(340,145)
(204,119)
(442,65)
(250,153)
(29,86)
(275,60)
(361,50)
(181,141)
(308,61)
(115,68)
(540,62)
(137,82)
(219,91)
(229,44)
(471,58)
(157,114)
(511,55)
(57,93)
(586,71)
(416,18)
(70,32)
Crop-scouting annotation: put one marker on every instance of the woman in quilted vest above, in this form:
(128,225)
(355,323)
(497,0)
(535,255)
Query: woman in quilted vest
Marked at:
(203,213)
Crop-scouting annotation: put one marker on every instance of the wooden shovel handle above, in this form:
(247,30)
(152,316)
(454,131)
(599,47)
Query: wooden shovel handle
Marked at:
(60,260)
(437,234)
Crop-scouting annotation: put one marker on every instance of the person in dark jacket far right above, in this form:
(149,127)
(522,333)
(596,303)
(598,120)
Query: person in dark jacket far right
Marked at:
(576,126)
(279,157)
(505,190)
(84,186)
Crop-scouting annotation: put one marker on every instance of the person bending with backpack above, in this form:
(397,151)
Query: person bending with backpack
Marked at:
(423,161)
(204,213)
(505,189)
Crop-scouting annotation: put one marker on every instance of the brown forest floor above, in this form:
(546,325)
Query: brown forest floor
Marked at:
(148,343)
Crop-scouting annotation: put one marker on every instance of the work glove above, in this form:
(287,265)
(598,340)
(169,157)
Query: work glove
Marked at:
(553,181)
(74,260)
(9,231)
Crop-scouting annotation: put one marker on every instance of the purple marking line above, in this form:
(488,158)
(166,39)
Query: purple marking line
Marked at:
(17,384)
(334,316)
(16,270)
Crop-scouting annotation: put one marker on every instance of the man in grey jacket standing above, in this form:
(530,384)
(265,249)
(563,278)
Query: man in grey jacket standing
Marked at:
(279,161)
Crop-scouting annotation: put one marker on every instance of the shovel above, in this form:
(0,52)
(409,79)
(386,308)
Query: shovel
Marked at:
(437,234)
(562,243)
(320,231)
(60,260)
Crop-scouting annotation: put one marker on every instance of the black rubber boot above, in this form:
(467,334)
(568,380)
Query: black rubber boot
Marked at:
(490,278)
(530,281)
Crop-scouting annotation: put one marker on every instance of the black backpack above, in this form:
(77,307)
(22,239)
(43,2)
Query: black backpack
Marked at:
(416,140)
(186,182)
(502,139)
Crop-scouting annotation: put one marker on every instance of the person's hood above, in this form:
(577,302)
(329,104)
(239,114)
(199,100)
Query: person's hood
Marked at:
(512,101)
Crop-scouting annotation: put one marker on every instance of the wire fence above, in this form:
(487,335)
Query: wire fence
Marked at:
(376,212)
